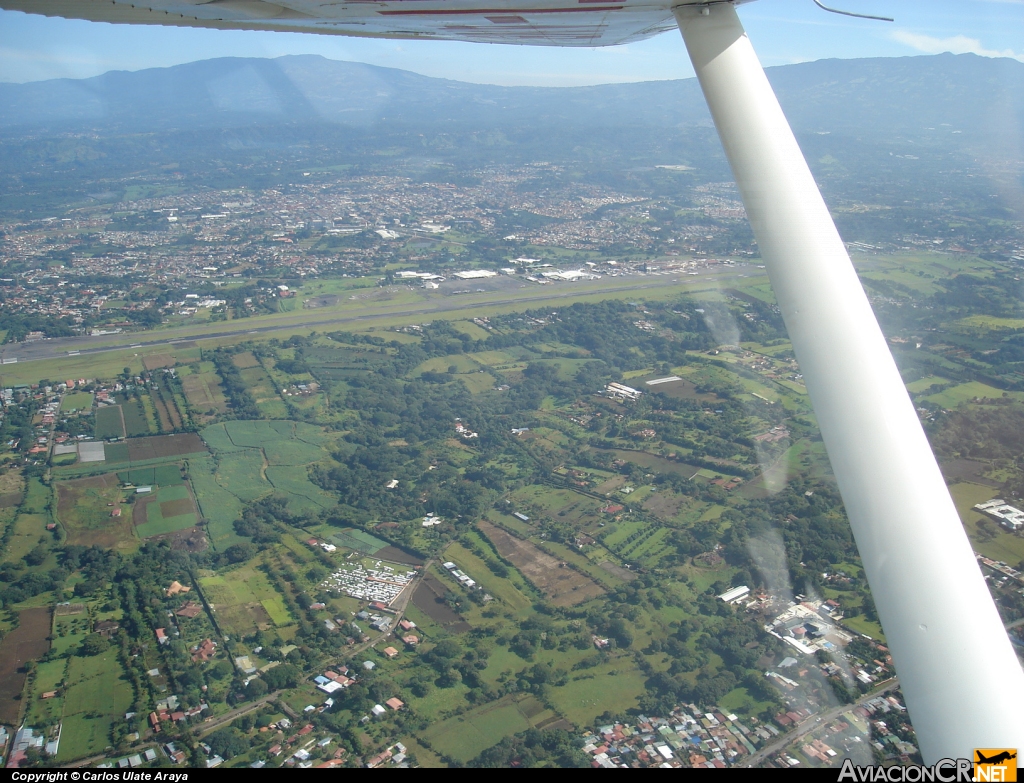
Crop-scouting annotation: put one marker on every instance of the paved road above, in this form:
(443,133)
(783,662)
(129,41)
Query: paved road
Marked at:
(816,722)
(60,347)
(210,726)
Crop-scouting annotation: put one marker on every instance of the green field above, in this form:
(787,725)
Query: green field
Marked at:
(98,694)
(136,422)
(108,422)
(615,687)
(116,453)
(167,513)
(244,601)
(76,401)
(965,392)
(303,495)
(465,736)
(46,712)
(161,475)
(359,541)
(241,473)
(251,460)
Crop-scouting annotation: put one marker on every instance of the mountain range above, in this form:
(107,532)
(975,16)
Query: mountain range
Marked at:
(878,96)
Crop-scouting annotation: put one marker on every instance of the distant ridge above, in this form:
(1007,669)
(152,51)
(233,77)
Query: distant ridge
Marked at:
(871,96)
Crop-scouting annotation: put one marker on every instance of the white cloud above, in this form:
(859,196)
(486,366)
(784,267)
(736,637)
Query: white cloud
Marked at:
(957,44)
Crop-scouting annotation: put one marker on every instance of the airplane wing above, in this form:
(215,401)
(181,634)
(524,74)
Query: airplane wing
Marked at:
(535,22)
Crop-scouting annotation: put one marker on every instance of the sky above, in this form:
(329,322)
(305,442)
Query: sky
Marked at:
(783,31)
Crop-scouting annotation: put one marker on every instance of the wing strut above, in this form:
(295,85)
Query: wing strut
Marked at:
(961,678)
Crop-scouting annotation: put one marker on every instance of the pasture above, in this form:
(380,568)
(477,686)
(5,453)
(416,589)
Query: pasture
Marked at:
(162,475)
(965,392)
(204,393)
(217,506)
(614,686)
(29,530)
(135,418)
(244,601)
(465,736)
(46,712)
(98,694)
(253,459)
(244,361)
(84,508)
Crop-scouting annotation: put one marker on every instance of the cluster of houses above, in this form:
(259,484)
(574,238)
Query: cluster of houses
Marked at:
(381,583)
(464,431)
(168,710)
(331,681)
(686,738)
(861,724)
(393,756)
(324,545)
(148,756)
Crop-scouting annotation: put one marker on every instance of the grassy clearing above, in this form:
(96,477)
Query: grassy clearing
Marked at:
(244,601)
(614,686)
(924,384)
(29,531)
(465,736)
(76,401)
(137,421)
(303,494)
(470,328)
(991,323)
(987,538)
(965,392)
(241,473)
(84,507)
(254,458)
(98,694)
(46,712)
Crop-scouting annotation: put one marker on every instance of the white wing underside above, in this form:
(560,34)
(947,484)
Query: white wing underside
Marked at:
(534,22)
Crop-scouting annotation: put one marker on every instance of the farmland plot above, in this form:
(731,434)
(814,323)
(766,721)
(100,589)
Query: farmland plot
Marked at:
(98,694)
(562,585)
